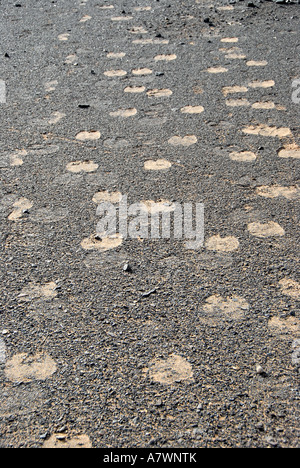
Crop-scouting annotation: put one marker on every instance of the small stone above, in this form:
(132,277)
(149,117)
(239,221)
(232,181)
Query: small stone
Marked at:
(127,268)
(259,370)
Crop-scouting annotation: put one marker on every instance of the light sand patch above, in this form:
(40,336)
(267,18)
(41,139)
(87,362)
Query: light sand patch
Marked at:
(290,288)
(70,59)
(94,242)
(219,244)
(289,151)
(158,93)
(124,113)
(142,71)
(59,441)
(265,130)
(165,58)
(106,7)
(234,89)
(262,84)
(187,140)
(105,196)
(135,89)
(237,102)
(26,368)
(230,308)
(82,166)
(230,40)
(116,55)
(63,37)
(56,117)
(50,85)
(264,105)
(225,8)
(158,165)
(88,136)
(115,73)
(285,326)
(275,191)
(15,159)
(169,371)
(122,18)
(217,70)
(138,30)
(263,230)
(143,8)
(198,90)
(243,156)
(85,18)
(192,110)
(150,41)
(235,56)
(19,207)
(162,206)
(47,291)
(257,63)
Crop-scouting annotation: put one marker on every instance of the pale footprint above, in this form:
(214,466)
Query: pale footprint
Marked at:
(64,37)
(88,136)
(215,70)
(142,71)
(257,63)
(158,165)
(237,103)
(263,230)
(135,89)
(46,291)
(105,196)
(56,117)
(219,244)
(265,130)
(82,166)
(85,18)
(115,73)
(230,40)
(95,242)
(171,370)
(262,84)
(57,441)
(234,89)
(243,156)
(26,368)
(165,58)
(158,93)
(218,308)
(20,207)
(192,110)
(264,105)
(122,18)
(138,30)
(290,288)
(125,113)
(289,151)
(116,55)
(50,85)
(188,140)
(277,191)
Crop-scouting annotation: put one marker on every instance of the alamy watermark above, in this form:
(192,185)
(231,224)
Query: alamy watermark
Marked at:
(2,92)
(150,220)
(296,92)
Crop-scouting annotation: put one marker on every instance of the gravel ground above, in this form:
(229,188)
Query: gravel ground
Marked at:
(146,343)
